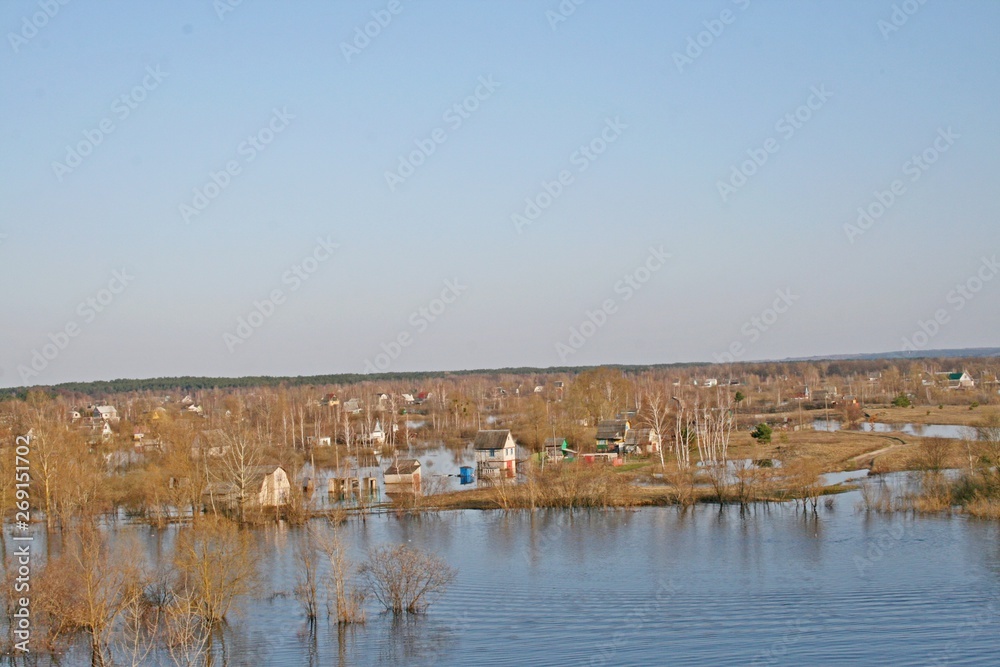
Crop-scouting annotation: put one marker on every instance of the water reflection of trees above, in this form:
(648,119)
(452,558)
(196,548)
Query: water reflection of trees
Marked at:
(409,639)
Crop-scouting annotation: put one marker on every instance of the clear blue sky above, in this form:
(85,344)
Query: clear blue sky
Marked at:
(675,129)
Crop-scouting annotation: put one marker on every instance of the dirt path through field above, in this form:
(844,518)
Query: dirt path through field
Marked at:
(900,443)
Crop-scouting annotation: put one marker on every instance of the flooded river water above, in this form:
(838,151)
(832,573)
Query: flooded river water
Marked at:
(764,586)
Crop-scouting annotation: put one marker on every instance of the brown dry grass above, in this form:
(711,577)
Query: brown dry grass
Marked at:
(832,452)
(956,415)
(984,508)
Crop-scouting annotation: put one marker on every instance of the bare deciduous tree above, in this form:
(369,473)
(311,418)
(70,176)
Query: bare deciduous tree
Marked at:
(345,602)
(656,414)
(215,565)
(307,574)
(243,456)
(185,633)
(105,581)
(404,579)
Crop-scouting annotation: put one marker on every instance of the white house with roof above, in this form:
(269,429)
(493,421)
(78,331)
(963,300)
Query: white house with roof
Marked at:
(958,380)
(403,471)
(496,453)
(377,435)
(105,412)
(265,486)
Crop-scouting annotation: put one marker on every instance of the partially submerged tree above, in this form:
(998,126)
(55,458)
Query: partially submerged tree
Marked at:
(307,574)
(243,454)
(345,602)
(215,564)
(404,579)
(90,587)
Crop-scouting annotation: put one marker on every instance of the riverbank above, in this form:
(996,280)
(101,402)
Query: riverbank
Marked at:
(810,453)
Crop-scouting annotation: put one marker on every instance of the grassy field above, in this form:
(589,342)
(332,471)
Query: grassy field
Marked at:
(957,415)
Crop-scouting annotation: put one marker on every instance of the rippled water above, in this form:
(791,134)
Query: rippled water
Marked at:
(768,586)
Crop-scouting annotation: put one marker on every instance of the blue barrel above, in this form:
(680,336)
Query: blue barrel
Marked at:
(465,473)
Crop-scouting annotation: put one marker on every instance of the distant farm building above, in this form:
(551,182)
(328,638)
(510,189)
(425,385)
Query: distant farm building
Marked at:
(106,413)
(958,380)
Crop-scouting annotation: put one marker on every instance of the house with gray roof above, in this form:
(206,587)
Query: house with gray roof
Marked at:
(496,453)
(611,433)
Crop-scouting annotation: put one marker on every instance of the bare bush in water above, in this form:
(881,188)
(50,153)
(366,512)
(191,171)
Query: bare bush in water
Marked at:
(404,579)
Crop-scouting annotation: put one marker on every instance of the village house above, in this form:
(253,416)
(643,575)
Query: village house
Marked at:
(106,413)
(266,486)
(377,435)
(404,472)
(496,453)
(352,406)
(142,442)
(958,380)
(557,449)
(642,441)
(330,401)
(211,444)
(320,441)
(611,434)
(825,394)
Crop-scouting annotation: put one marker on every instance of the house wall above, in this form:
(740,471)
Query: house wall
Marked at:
(504,455)
(275,489)
(413,478)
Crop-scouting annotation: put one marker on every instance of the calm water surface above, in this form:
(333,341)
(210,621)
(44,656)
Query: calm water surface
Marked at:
(923,430)
(657,586)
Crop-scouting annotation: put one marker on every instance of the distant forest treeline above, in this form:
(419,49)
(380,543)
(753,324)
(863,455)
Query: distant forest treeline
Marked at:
(191,383)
